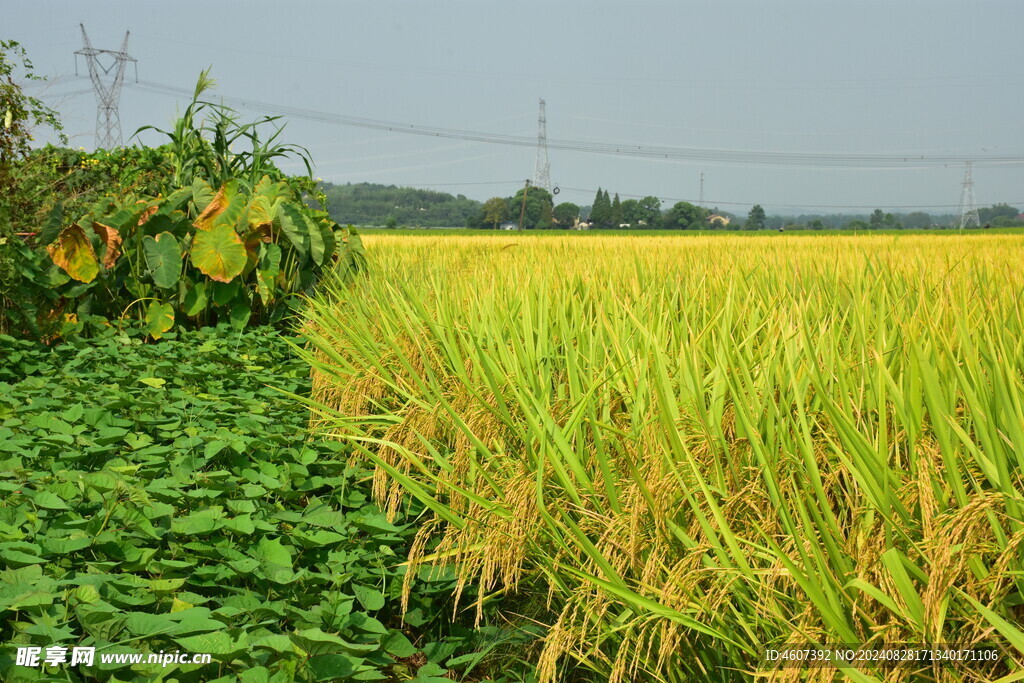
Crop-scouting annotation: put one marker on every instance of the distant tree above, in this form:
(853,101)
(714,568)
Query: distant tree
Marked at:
(815,224)
(997,211)
(890,222)
(616,218)
(566,214)
(857,225)
(536,200)
(391,222)
(545,221)
(917,220)
(756,218)
(601,211)
(685,216)
(495,211)
(650,212)
(371,204)
(631,212)
(877,220)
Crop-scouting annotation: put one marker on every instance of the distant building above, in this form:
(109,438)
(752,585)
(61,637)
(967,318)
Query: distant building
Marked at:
(508,225)
(580,225)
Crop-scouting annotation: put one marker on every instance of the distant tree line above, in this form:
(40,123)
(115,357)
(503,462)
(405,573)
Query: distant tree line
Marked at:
(996,216)
(391,206)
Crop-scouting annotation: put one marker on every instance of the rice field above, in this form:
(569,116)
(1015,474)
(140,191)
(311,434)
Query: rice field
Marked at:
(688,449)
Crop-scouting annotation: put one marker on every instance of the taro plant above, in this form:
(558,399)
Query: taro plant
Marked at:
(227,237)
(200,255)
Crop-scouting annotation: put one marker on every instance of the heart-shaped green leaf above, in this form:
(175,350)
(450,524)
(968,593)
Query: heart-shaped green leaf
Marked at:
(218,253)
(159,318)
(163,256)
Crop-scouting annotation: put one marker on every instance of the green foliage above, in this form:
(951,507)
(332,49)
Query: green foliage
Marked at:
(19,114)
(686,216)
(999,214)
(616,212)
(166,497)
(566,214)
(371,204)
(631,212)
(187,234)
(649,210)
(601,211)
(756,218)
(253,250)
(495,210)
(537,211)
(78,179)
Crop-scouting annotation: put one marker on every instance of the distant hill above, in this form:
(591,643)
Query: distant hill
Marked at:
(372,204)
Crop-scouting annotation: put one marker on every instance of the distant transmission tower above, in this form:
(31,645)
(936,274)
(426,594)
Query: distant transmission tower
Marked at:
(108,95)
(542,172)
(968,207)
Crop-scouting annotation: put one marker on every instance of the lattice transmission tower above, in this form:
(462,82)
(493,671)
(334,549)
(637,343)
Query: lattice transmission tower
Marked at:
(542,171)
(108,94)
(968,206)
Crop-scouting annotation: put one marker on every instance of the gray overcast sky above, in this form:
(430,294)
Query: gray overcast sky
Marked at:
(926,77)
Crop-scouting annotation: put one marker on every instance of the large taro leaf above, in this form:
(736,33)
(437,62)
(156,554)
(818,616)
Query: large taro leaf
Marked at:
(202,194)
(195,299)
(261,212)
(219,253)
(317,248)
(226,207)
(270,190)
(329,240)
(253,240)
(111,239)
(163,256)
(159,318)
(294,226)
(51,227)
(73,253)
(266,274)
(175,201)
(240,314)
(217,204)
(233,212)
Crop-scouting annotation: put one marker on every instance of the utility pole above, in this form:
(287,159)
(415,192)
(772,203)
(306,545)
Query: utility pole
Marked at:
(968,206)
(542,171)
(701,202)
(108,95)
(522,211)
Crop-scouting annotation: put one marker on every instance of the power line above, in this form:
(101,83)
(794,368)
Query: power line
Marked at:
(685,154)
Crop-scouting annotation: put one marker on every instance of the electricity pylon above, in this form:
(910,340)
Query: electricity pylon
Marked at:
(108,95)
(542,171)
(968,207)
